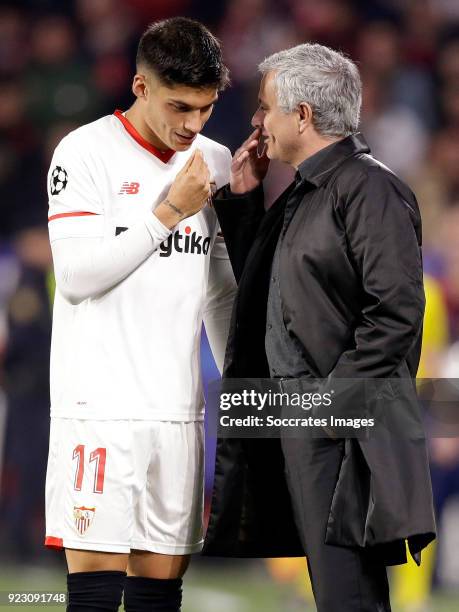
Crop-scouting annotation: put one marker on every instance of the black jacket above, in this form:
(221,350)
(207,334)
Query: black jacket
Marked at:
(352,295)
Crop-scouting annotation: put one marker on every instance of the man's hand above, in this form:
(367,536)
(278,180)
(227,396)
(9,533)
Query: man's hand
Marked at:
(188,193)
(248,169)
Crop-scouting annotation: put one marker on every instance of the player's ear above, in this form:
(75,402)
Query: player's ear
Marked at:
(139,87)
(304,116)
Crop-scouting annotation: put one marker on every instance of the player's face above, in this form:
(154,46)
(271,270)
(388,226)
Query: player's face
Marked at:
(175,115)
(279,129)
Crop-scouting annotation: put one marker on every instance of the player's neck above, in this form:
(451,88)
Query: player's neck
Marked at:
(135,117)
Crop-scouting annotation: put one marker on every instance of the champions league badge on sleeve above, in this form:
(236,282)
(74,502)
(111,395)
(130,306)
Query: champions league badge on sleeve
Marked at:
(59,180)
(83,518)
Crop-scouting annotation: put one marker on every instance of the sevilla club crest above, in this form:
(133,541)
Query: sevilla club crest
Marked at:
(83,518)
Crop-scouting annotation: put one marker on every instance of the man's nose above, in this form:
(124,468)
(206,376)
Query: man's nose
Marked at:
(193,122)
(257,119)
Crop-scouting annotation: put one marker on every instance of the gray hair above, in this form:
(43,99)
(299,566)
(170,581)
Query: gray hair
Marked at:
(323,78)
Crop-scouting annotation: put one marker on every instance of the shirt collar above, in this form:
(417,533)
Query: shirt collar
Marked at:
(164,156)
(317,168)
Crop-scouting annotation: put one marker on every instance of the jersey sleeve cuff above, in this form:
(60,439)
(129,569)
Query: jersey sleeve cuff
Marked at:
(158,231)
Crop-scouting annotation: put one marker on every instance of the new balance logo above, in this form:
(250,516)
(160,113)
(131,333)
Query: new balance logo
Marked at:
(129,188)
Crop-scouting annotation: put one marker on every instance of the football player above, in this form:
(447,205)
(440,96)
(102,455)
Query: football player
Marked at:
(139,265)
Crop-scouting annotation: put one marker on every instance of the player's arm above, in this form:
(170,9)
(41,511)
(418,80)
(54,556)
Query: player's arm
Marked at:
(240,204)
(221,291)
(85,263)
(86,267)
(382,236)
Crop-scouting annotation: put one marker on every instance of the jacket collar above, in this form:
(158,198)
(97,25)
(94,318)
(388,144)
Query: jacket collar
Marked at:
(317,168)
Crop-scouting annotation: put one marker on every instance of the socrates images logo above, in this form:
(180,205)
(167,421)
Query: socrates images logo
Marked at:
(188,243)
(83,518)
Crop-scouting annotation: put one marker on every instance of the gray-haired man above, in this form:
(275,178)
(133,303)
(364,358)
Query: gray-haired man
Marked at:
(330,286)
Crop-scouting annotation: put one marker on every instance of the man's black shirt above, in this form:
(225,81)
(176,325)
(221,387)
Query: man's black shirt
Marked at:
(283,350)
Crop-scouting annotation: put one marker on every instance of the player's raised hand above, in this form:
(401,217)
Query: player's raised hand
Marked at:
(249,165)
(191,187)
(188,193)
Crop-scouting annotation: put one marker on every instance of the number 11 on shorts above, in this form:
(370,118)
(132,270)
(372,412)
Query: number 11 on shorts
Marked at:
(99,456)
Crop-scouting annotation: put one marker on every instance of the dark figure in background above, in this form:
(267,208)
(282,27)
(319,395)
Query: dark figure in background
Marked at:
(25,362)
(26,372)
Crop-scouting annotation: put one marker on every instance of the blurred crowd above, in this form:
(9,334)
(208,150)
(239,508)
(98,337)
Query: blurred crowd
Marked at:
(63,64)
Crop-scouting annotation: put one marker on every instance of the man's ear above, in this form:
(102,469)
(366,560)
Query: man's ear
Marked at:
(304,114)
(139,86)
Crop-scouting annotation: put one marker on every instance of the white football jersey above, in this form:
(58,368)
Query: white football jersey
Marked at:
(132,351)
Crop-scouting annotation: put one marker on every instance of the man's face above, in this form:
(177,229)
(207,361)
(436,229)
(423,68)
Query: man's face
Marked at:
(176,114)
(279,129)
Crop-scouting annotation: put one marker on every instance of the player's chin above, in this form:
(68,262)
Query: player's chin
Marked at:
(182,143)
(270,151)
(181,147)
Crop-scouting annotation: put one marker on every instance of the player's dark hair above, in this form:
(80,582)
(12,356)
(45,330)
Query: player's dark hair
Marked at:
(182,51)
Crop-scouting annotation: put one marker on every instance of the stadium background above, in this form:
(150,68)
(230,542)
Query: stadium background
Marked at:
(64,63)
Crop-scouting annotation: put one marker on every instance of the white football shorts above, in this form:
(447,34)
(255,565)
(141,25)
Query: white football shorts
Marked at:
(115,486)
